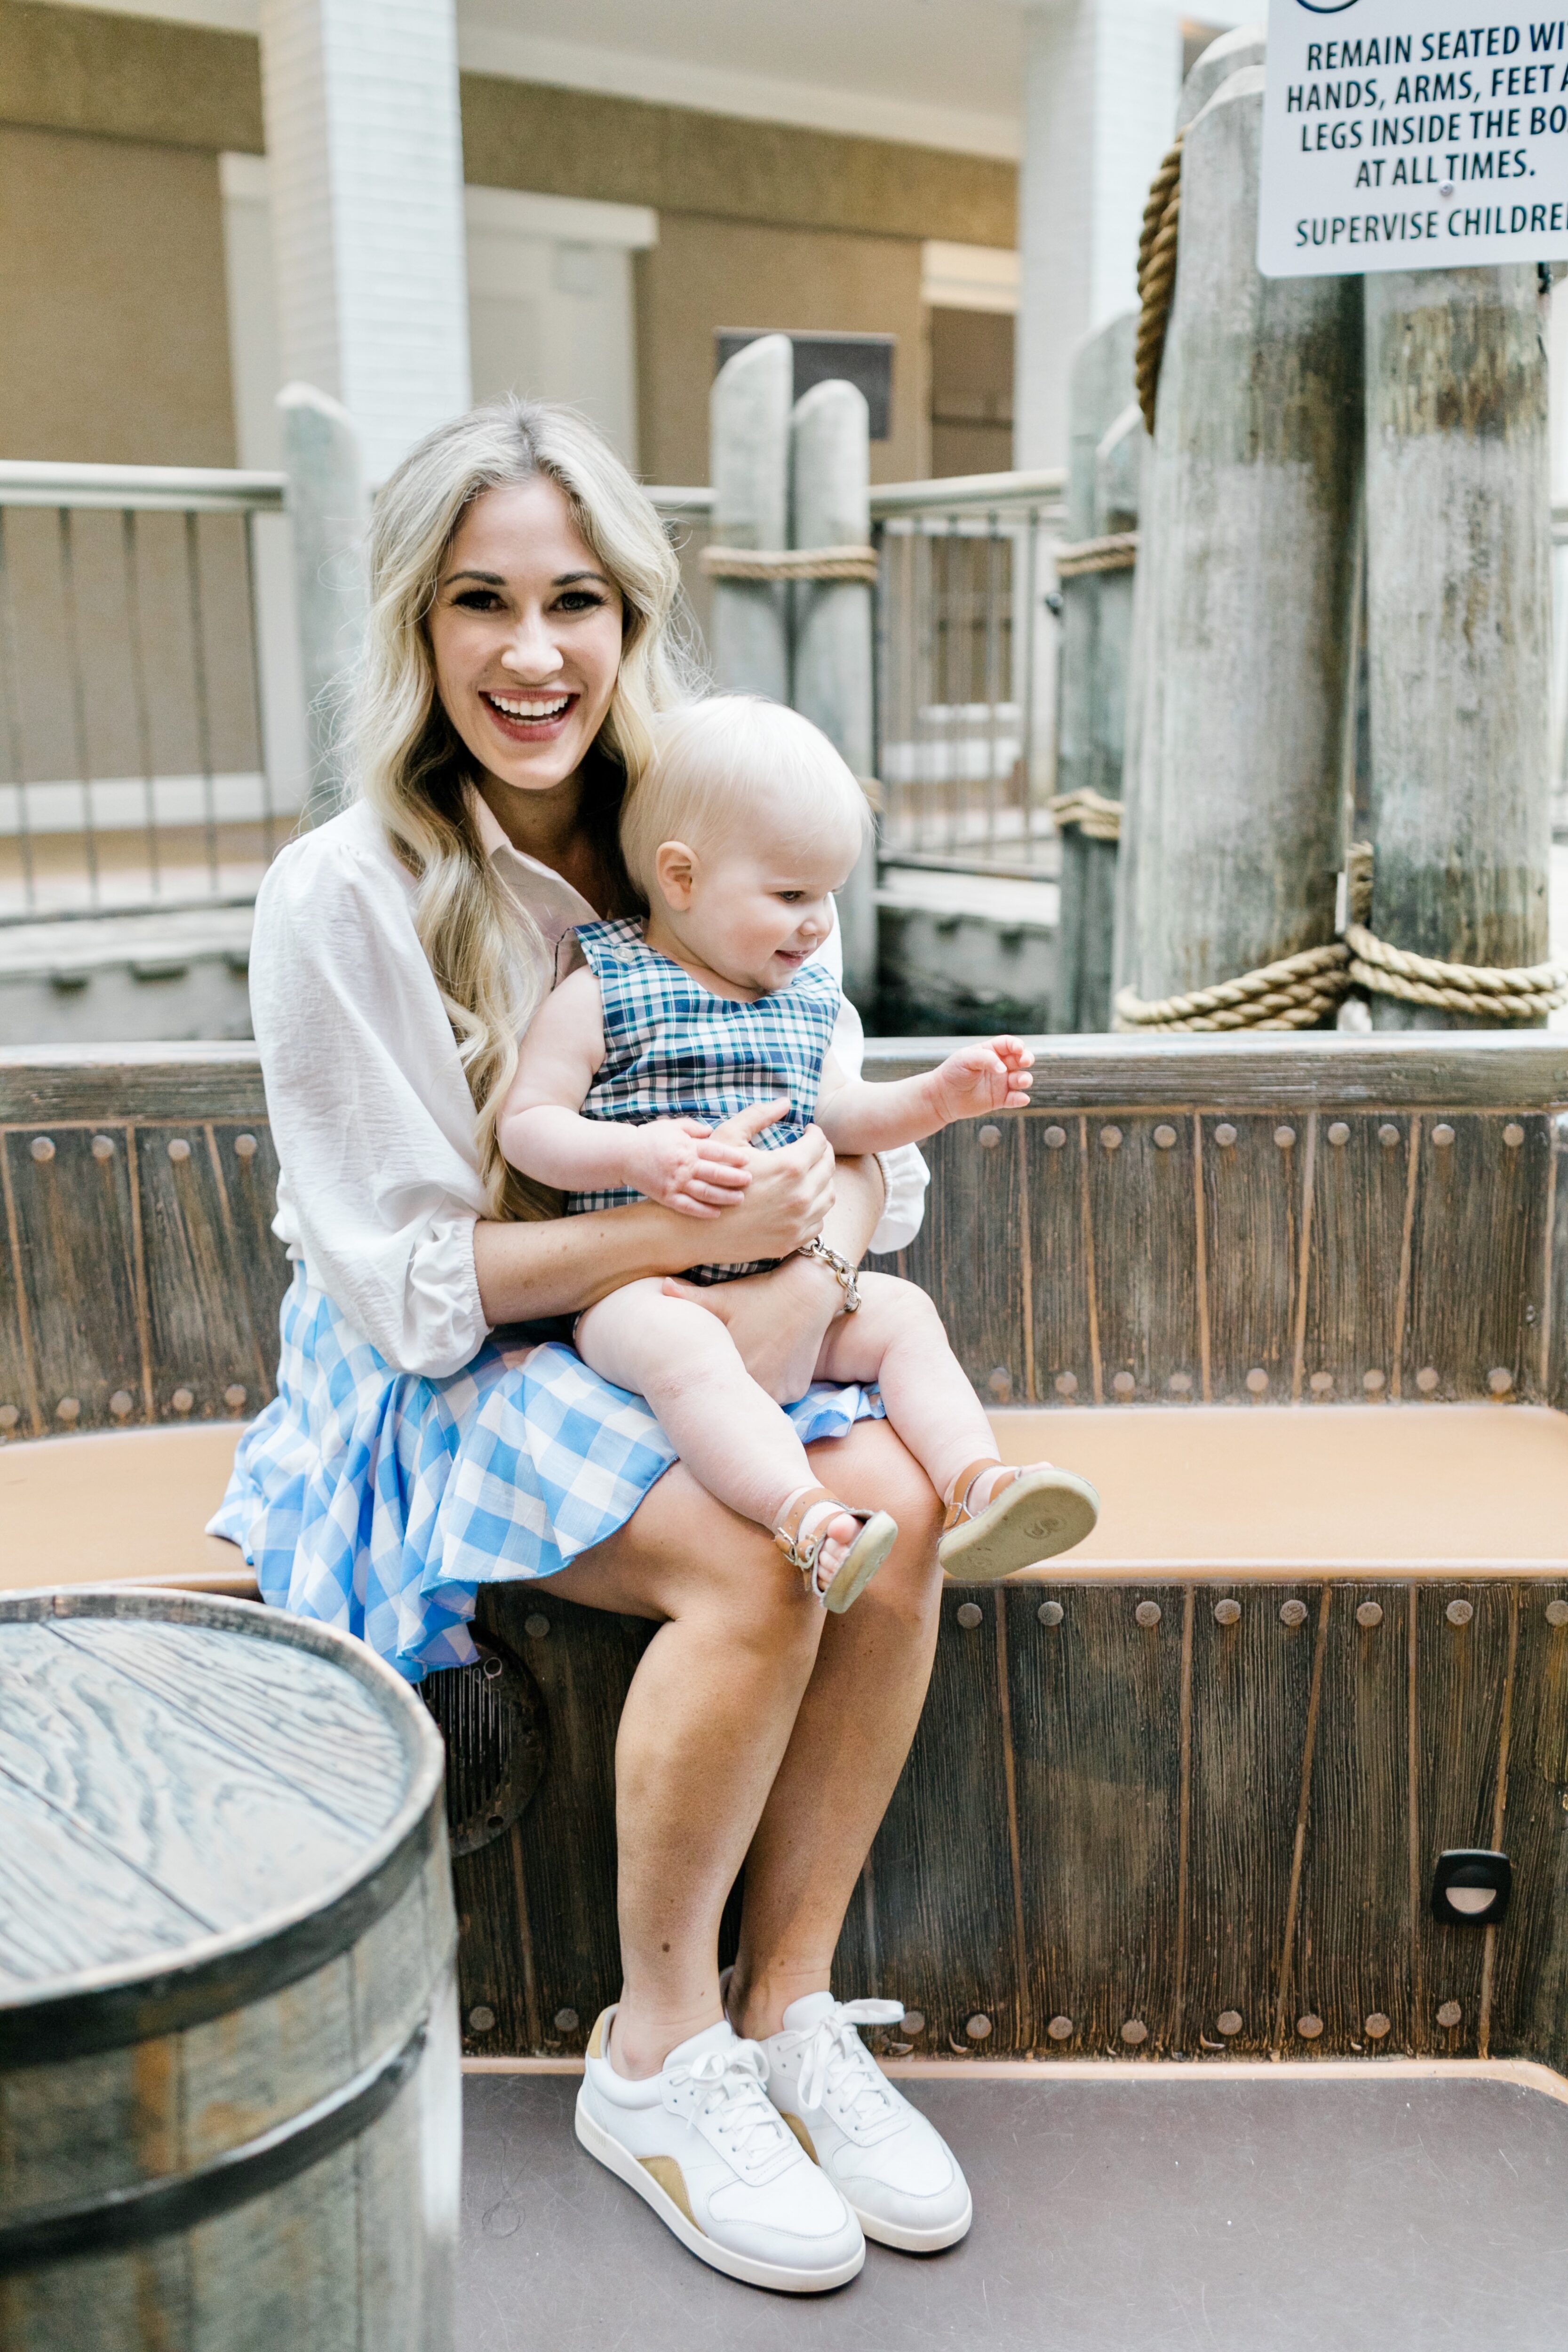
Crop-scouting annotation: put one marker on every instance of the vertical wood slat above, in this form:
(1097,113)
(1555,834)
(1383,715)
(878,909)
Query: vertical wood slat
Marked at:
(1253,1200)
(1351,1289)
(1462,1679)
(203,1340)
(73,1214)
(966,1252)
(1477,1253)
(1057,1301)
(18,1382)
(1141,1197)
(1530,1986)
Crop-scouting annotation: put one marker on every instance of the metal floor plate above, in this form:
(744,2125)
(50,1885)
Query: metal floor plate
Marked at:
(1402,2214)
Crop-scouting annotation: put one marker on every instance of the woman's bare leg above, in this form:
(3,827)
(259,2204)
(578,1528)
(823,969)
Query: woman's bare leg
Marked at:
(724,1716)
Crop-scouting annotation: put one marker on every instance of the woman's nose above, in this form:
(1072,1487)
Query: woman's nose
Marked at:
(532,654)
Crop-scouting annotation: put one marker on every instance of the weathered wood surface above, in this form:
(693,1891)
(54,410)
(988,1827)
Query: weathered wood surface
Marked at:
(197,1781)
(1459,619)
(750,418)
(1231,833)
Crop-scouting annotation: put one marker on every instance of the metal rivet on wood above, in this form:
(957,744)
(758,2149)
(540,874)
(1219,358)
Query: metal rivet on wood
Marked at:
(1054,1137)
(1293,1613)
(1284,1137)
(179,1150)
(1224,1135)
(990,1137)
(1229,2020)
(1227,1611)
(1000,1384)
(1450,2014)
(1309,2026)
(913,2021)
(102,1147)
(1557,1613)
(1060,2029)
(182,1400)
(1499,1380)
(1257,1380)
(481,2017)
(1123,1385)
(1321,1383)
(120,1403)
(234,1396)
(1513,1135)
(1370,1612)
(1373,1381)
(246,1146)
(1066,1384)
(1376,2026)
(978,2026)
(1110,1139)
(42,1147)
(1165,1137)
(1339,1133)
(1426,1379)
(1388,1135)
(1051,1612)
(1180,1383)
(1442,1135)
(1459,1612)
(1134,2032)
(1148,1612)
(536,1627)
(9,1416)
(68,1409)
(970,1613)
(566,2020)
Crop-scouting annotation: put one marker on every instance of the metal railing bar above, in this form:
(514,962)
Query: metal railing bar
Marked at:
(10,679)
(131,909)
(199,682)
(695,499)
(1024,660)
(969,490)
(202,489)
(130,544)
(78,699)
(993,675)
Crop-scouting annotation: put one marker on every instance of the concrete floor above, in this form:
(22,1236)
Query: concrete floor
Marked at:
(1391,2215)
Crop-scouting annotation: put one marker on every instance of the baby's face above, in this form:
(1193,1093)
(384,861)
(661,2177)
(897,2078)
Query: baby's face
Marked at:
(758,906)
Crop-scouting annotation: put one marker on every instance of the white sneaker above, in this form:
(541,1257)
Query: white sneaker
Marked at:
(701,2144)
(897,2172)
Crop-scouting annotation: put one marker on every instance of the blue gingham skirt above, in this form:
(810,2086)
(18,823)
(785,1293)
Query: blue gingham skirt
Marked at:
(380,1501)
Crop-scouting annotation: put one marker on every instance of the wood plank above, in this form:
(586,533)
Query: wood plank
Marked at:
(42,1086)
(1358,1188)
(1250,1681)
(1477,1257)
(68,1904)
(203,1342)
(1461,1678)
(1060,1270)
(250,1179)
(1096,1716)
(1145,1255)
(74,1217)
(1253,1195)
(1349,1958)
(19,1388)
(977,1191)
(1529,1985)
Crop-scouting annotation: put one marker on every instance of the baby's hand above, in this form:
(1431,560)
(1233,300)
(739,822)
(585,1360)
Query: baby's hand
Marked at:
(994,1074)
(681,1164)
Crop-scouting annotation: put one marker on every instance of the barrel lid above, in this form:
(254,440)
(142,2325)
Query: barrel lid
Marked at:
(200,1801)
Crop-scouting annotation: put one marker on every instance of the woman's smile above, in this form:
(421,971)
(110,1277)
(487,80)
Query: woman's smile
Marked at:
(528,718)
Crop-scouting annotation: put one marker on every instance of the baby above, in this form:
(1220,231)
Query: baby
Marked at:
(738,836)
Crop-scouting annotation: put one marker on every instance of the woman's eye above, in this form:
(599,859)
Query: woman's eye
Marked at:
(477,600)
(578,600)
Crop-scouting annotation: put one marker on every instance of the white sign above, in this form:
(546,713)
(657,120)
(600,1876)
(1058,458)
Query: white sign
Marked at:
(1411,134)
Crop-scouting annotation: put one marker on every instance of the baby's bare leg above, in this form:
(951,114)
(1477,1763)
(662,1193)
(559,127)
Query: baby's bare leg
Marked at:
(730,1433)
(897,1339)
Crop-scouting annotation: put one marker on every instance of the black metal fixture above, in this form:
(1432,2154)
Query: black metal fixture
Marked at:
(1470,1887)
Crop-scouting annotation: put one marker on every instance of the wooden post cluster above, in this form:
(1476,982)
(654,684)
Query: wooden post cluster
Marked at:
(329,515)
(749,413)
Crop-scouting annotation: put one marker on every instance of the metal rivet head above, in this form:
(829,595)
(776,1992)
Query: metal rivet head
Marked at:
(1557,1613)
(1000,1384)
(978,2026)
(493,1668)
(179,1150)
(1388,1135)
(1284,1137)
(536,1627)
(120,1402)
(990,1137)
(1321,1383)
(9,1416)
(42,1147)
(913,2021)
(1229,2020)
(182,1400)
(1066,1384)
(1148,1612)
(1060,2029)
(1459,1612)
(1134,2032)
(481,2018)
(970,1613)
(1450,2014)
(1123,1385)
(1180,1383)
(566,2020)
(1165,1137)
(1257,1380)
(1051,1612)
(1054,1137)
(1293,1613)
(1110,1139)
(67,1410)
(1426,1379)
(1376,2026)
(1442,1135)
(1513,1135)
(1224,1135)
(1499,1380)
(1339,1134)
(1227,1611)
(234,1396)
(1310,2026)
(102,1147)
(246,1146)
(1370,1614)
(1372,1381)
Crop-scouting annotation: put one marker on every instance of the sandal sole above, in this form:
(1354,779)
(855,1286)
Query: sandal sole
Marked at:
(1031,1521)
(860,1562)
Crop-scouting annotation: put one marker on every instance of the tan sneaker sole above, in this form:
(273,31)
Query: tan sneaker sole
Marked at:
(1042,1512)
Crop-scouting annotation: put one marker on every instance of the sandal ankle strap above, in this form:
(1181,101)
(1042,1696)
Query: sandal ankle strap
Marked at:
(958,1509)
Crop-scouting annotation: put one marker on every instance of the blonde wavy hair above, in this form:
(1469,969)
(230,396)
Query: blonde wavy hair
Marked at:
(489,959)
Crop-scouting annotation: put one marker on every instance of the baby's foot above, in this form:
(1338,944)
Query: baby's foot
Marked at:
(1001,1519)
(834,1532)
(837,1550)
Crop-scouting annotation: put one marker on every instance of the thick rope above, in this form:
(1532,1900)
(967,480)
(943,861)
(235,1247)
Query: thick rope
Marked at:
(1157,275)
(1096,818)
(1117,552)
(1294,993)
(1518,993)
(791,563)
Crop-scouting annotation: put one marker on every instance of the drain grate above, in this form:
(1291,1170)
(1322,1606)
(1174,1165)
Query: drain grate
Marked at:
(494,1719)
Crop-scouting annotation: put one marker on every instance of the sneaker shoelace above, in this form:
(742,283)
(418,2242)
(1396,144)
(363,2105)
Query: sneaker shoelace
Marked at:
(835,2062)
(737,2103)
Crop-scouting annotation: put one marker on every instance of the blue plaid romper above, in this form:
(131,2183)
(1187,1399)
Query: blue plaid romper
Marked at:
(674,1050)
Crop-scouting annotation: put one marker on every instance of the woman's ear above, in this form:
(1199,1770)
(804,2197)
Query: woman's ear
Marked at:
(675,871)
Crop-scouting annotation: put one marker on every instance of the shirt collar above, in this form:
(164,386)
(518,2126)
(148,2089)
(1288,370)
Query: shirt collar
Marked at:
(524,874)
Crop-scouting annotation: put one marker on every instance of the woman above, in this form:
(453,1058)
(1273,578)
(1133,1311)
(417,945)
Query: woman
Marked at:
(521,635)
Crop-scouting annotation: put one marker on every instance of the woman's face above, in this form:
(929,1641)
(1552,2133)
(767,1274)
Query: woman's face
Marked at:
(526,635)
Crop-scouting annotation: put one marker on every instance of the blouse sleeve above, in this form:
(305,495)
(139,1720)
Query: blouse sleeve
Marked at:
(904,1172)
(379,1191)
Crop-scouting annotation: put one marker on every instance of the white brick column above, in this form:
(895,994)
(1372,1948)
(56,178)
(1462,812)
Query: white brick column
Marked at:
(364,145)
(1101,80)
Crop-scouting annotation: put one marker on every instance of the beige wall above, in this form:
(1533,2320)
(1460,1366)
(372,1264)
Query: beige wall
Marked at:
(113,322)
(704,274)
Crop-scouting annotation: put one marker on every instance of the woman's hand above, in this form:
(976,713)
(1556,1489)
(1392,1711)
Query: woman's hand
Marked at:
(778,1320)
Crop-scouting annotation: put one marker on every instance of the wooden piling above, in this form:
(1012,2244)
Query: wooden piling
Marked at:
(329,518)
(1458,620)
(752,397)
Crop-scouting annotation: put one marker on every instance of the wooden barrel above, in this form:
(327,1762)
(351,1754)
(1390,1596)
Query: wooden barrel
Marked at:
(229,2085)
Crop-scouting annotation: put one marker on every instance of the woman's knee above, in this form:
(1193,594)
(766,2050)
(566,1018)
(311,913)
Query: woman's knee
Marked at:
(685,1556)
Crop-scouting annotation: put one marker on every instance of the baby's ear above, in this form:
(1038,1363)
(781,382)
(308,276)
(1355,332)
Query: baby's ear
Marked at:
(675,871)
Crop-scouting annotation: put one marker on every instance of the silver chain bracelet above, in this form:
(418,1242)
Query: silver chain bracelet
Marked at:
(842,1271)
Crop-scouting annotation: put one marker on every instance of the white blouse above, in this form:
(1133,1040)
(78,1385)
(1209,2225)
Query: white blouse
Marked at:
(379,1191)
